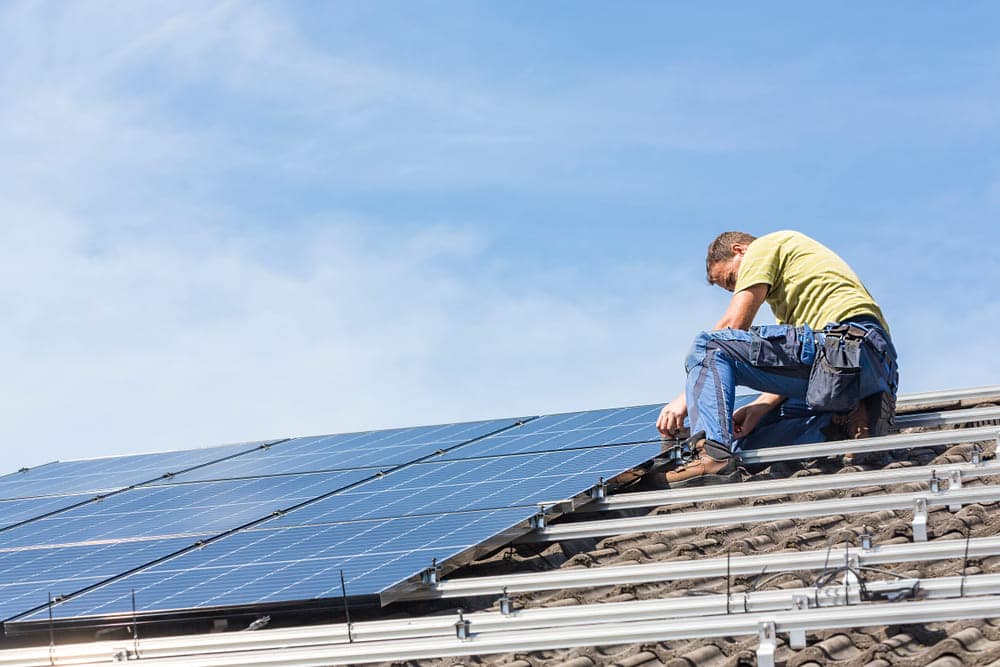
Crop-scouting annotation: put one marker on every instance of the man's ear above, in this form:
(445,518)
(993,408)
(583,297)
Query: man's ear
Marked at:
(738,249)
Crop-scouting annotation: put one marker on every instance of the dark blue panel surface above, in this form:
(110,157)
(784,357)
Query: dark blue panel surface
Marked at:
(28,576)
(16,511)
(107,474)
(258,566)
(574,430)
(474,484)
(203,507)
(380,532)
(376,449)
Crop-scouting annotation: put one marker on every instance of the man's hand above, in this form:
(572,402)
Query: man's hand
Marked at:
(671,420)
(745,419)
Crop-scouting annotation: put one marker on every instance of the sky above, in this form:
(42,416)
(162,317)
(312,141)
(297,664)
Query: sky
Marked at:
(233,221)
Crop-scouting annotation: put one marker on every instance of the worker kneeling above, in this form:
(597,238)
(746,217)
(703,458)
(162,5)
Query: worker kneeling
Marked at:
(828,371)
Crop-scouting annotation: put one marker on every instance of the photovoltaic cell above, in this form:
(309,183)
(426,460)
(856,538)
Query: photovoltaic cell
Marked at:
(16,511)
(28,576)
(108,474)
(574,430)
(474,484)
(259,566)
(377,449)
(197,508)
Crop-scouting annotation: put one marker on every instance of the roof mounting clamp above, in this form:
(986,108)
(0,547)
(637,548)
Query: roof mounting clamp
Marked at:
(463,627)
(920,520)
(768,643)
(430,575)
(600,490)
(538,521)
(955,483)
(935,484)
(977,452)
(866,540)
(506,603)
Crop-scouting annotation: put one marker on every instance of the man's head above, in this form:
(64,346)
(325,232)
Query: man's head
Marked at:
(722,264)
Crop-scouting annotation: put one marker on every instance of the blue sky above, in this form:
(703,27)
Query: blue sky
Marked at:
(229,221)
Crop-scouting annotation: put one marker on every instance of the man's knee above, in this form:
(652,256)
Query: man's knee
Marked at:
(734,343)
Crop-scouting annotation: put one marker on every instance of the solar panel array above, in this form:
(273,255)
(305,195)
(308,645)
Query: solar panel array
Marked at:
(278,522)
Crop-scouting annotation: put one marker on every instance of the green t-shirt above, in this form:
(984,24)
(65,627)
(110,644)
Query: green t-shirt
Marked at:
(809,283)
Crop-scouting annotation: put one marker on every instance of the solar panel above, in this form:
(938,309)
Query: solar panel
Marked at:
(259,566)
(15,511)
(569,431)
(380,533)
(110,473)
(202,507)
(445,490)
(28,576)
(383,449)
(474,484)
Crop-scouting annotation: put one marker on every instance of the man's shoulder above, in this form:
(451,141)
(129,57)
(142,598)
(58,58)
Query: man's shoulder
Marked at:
(782,236)
(785,241)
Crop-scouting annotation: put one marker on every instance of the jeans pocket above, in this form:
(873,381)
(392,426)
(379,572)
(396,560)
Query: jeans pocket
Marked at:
(774,345)
(835,378)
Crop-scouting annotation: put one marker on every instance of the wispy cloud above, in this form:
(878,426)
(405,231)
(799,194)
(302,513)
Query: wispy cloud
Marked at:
(171,277)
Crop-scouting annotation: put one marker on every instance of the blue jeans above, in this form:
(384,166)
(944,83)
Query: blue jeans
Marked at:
(776,359)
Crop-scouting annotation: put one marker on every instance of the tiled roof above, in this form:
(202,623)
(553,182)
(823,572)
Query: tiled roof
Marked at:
(961,642)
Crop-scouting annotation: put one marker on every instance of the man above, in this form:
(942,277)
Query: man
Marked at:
(828,364)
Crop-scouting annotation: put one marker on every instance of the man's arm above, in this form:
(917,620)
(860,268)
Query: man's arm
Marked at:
(742,309)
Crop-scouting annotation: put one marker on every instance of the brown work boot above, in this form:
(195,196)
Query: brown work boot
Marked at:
(712,464)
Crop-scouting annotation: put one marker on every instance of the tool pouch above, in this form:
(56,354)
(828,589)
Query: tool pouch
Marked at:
(835,378)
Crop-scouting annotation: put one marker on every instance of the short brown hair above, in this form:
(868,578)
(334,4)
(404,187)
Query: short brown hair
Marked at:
(721,248)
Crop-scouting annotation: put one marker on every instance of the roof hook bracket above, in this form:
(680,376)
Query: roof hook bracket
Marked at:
(463,627)
(506,603)
(430,575)
(768,643)
(955,483)
(920,520)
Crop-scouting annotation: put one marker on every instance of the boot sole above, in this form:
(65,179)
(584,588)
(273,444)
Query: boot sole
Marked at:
(706,480)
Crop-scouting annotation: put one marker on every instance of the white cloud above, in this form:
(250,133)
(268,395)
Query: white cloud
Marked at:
(151,346)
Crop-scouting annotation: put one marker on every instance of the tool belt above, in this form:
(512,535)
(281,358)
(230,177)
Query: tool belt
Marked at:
(835,378)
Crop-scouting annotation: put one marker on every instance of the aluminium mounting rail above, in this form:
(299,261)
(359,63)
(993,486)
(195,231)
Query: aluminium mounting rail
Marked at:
(877,444)
(837,594)
(765,624)
(970,395)
(761,513)
(702,568)
(948,417)
(945,473)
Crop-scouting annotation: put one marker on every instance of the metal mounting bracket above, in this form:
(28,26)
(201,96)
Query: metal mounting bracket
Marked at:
(797,638)
(430,575)
(935,484)
(768,644)
(463,627)
(600,490)
(506,603)
(920,520)
(955,483)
